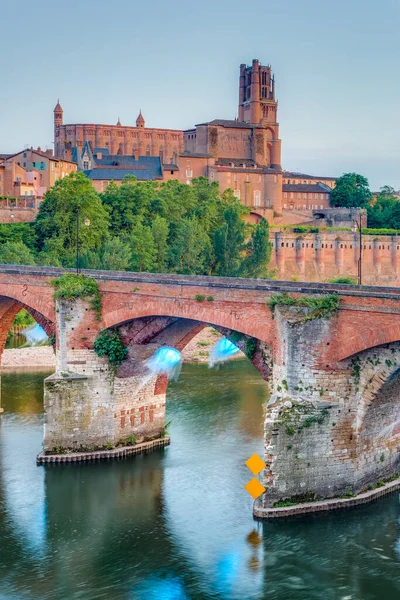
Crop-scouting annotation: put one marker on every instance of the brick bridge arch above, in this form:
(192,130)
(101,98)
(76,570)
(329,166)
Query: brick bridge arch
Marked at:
(155,331)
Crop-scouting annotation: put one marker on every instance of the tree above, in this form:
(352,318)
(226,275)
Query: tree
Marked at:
(55,224)
(258,251)
(16,253)
(144,253)
(229,243)
(383,210)
(351,190)
(160,231)
(190,249)
(115,255)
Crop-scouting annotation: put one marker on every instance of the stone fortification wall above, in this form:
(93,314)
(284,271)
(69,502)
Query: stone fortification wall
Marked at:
(328,254)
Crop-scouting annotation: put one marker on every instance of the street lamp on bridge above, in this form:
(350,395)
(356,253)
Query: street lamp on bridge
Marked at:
(357,226)
(87,224)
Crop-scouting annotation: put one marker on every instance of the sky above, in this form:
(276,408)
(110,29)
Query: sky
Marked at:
(336,64)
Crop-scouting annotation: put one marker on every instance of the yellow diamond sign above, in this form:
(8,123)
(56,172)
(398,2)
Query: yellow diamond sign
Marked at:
(255,464)
(254,488)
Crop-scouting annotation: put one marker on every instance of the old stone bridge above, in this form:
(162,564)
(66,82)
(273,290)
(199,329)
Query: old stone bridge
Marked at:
(332,425)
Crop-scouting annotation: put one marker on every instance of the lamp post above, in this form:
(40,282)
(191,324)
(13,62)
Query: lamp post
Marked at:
(87,224)
(357,226)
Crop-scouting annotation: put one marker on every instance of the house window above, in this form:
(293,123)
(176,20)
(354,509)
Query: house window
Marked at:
(285,194)
(237,194)
(85,165)
(147,150)
(189,173)
(291,195)
(257,197)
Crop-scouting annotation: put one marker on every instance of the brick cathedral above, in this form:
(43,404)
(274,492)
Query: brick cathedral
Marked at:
(242,154)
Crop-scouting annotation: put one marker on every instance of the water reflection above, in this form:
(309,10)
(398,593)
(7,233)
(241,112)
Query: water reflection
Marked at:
(177,523)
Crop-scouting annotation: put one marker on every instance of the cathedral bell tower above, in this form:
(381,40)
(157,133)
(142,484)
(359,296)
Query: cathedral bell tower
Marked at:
(257,94)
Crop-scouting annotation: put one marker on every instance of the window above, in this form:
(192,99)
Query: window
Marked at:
(189,173)
(304,196)
(237,194)
(285,194)
(85,165)
(291,195)
(147,150)
(257,197)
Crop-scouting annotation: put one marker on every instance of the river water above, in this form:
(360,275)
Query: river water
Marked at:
(176,524)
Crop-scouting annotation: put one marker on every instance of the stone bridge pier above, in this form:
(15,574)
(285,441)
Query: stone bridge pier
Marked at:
(332,427)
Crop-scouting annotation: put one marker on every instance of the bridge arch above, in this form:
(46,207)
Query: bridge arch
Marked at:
(9,308)
(204,311)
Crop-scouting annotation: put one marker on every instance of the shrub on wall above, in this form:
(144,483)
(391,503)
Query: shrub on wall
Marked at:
(72,287)
(108,343)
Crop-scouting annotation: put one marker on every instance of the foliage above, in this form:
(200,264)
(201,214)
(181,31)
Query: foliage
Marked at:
(143,226)
(258,251)
(305,229)
(384,210)
(108,343)
(16,253)
(321,307)
(349,280)
(199,298)
(114,255)
(165,429)
(23,319)
(351,190)
(143,248)
(18,232)
(72,287)
(229,243)
(55,225)
(250,347)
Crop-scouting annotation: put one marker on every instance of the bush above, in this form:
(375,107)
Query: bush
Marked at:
(72,287)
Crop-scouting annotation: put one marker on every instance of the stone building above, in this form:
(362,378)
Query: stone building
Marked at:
(242,154)
(117,139)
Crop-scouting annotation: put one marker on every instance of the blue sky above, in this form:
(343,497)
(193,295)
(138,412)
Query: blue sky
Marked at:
(336,64)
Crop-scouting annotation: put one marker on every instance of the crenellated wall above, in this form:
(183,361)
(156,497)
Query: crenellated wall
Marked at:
(329,254)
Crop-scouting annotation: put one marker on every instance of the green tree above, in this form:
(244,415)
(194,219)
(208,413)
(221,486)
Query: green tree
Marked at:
(55,225)
(190,249)
(351,190)
(16,253)
(383,209)
(229,243)
(160,231)
(144,253)
(258,252)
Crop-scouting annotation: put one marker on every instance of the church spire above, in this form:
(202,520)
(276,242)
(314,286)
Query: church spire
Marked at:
(140,120)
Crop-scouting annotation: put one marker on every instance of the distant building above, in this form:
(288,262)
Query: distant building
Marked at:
(243,154)
(102,167)
(25,176)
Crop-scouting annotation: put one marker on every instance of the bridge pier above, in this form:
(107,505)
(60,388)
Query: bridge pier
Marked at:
(87,405)
(332,428)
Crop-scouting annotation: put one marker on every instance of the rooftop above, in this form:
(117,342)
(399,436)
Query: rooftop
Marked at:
(318,188)
(288,174)
(115,167)
(227,123)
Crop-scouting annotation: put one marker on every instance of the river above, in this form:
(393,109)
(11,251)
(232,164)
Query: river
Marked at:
(177,524)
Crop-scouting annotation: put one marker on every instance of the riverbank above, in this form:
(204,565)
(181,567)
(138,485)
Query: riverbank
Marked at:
(35,358)
(42,358)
